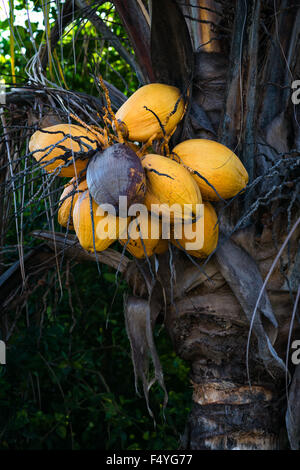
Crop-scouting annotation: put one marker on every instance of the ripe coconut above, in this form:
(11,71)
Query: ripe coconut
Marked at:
(210,234)
(67,201)
(141,116)
(115,172)
(218,164)
(96,231)
(171,190)
(55,147)
(145,232)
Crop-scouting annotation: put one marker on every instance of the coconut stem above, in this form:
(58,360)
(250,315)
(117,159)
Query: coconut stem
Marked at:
(93,131)
(113,117)
(144,148)
(165,144)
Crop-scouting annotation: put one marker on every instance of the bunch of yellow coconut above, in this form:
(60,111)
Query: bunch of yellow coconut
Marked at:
(118,160)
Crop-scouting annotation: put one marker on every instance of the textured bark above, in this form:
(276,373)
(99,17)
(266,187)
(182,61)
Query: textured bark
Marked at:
(293,411)
(238,92)
(209,329)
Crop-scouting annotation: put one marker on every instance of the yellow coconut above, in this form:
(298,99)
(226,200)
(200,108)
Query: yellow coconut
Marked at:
(217,164)
(144,234)
(210,234)
(141,113)
(161,247)
(168,184)
(67,201)
(53,142)
(106,227)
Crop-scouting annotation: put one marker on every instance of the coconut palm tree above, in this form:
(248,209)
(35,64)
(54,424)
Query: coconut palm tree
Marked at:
(233,316)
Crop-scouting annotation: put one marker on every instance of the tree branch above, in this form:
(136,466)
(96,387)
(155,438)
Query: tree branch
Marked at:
(138,30)
(69,246)
(230,124)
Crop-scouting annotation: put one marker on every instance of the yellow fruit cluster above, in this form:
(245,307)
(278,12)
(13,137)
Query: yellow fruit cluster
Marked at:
(195,172)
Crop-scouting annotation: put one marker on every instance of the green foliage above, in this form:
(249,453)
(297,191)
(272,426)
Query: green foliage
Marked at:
(67,386)
(69,382)
(79,54)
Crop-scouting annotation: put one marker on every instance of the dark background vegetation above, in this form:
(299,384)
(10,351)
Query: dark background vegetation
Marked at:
(69,380)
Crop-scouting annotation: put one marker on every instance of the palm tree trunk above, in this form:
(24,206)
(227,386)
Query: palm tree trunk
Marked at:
(231,416)
(239,395)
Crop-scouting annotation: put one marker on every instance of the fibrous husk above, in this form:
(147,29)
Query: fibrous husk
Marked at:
(115,172)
